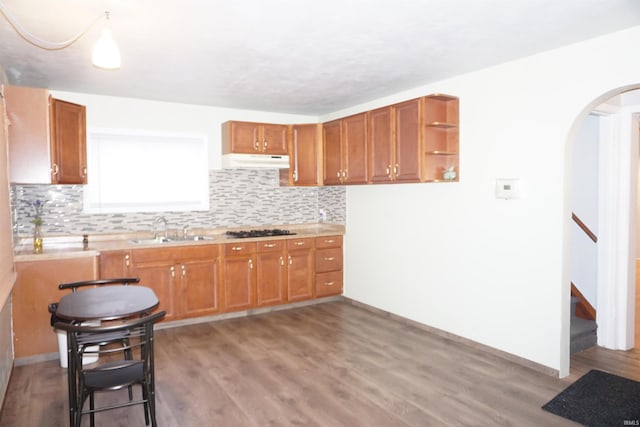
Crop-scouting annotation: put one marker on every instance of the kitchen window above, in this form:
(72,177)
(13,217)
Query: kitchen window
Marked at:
(137,171)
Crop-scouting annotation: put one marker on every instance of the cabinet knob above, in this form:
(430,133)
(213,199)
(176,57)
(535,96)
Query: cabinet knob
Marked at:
(54,169)
(256,145)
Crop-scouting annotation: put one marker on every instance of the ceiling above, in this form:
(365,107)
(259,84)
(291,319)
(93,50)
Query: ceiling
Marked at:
(307,57)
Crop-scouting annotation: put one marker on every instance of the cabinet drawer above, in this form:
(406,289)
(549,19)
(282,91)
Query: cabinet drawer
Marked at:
(293,244)
(328,242)
(271,246)
(328,283)
(150,255)
(329,259)
(231,249)
(196,252)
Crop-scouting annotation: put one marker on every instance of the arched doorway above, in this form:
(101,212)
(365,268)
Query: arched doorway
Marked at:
(617,213)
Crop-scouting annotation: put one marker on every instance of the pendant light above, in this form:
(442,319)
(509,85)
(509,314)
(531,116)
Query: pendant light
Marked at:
(106,53)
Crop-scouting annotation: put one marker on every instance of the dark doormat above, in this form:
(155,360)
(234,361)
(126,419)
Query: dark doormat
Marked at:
(599,399)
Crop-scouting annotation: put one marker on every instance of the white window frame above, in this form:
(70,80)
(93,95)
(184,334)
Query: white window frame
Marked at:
(128,174)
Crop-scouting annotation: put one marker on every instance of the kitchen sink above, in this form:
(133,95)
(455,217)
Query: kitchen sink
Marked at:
(154,241)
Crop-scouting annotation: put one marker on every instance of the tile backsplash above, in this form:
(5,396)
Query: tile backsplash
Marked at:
(238,198)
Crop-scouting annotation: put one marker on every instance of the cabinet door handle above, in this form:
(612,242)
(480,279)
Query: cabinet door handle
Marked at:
(345,174)
(126,261)
(54,169)
(173,271)
(269,245)
(389,171)
(184,270)
(396,168)
(236,248)
(264,145)
(281,261)
(329,240)
(295,175)
(330,258)
(251,264)
(84,171)
(299,243)
(290,260)
(338,174)
(256,145)
(329,283)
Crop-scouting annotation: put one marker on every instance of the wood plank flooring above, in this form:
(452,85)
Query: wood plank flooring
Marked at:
(332,364)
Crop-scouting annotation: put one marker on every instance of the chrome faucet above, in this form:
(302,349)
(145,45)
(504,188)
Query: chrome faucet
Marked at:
(155,227)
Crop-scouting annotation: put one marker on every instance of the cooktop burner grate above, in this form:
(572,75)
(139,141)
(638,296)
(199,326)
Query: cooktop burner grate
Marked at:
(241,234)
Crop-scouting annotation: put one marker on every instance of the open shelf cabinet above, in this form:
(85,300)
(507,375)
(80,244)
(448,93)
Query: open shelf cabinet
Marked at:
(441,137)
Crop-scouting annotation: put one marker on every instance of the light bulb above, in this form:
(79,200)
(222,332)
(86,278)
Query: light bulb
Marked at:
(105,52)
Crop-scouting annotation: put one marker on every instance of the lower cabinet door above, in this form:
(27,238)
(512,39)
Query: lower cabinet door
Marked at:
(239,283)
(271,279)
(300,275)
(159,276)
(199,287)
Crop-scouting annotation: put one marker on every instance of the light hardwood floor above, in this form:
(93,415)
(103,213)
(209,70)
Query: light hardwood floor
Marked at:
(332,364)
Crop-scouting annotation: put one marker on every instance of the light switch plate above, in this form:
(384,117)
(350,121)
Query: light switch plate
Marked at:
(508,188)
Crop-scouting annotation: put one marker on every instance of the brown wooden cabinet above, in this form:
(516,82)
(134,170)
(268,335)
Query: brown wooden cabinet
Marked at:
(345,150)
(36,287)
(47,138)
(300,269)
(271,273)
(441,138)
(186,280)
(115,264)
(394,142)
(305,155)
(69,142)
(239,276)
(329,266)
(254,138)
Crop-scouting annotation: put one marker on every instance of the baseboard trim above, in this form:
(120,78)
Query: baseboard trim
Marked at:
(458,339)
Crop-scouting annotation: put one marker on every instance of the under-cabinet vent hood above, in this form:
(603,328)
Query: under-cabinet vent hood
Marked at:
(263,161)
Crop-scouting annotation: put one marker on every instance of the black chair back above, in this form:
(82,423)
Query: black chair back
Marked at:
(111,372)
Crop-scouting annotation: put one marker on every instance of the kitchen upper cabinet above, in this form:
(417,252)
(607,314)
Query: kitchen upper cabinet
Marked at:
(305,155)
(381,145)
(47,138)
(328,266)
(345,150)
(69,142)
(239,276)
(254,138)
(271,273)
(394,142)
(300,272)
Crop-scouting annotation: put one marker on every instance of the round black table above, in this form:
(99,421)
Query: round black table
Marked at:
(107,303)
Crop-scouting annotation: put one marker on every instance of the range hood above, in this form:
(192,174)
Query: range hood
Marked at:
(262,161)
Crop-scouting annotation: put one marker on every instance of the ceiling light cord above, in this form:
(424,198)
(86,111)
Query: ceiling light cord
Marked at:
(37,41)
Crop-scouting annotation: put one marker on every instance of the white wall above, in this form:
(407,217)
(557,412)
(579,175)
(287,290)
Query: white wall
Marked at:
(130,113)
(451,255)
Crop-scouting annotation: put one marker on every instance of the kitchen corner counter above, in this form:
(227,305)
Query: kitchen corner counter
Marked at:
(64,247)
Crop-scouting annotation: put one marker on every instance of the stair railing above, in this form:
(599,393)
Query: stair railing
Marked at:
(583,309)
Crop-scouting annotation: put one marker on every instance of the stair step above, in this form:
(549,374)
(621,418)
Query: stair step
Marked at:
(583,334)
